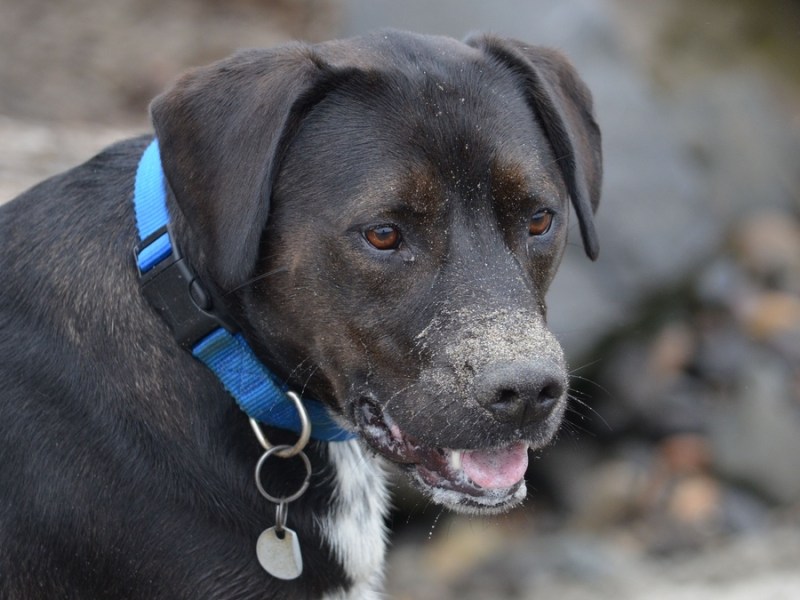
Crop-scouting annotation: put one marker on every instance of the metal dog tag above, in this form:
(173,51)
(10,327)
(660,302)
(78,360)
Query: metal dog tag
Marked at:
(280,558)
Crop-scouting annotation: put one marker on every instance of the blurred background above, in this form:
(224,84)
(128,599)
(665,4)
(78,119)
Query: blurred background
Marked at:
(678,473)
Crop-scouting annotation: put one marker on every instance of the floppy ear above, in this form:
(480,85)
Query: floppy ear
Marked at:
(563,106)
(222,130)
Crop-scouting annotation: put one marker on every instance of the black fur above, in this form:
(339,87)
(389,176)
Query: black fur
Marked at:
(125,469)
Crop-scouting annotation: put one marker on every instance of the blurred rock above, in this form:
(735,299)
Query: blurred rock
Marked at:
(650,388)
(671,351)
(610,494)
(576,566)
(102,62)
(743,513)
(706,168)
(33,151)
(770,314)
(722,350)
(720,281)
(767,245)
(695,500)
(685,454)
(756,431)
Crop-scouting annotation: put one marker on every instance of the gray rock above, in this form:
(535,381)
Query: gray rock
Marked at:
(755,433)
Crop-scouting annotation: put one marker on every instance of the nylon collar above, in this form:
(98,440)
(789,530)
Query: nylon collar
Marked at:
(172,287)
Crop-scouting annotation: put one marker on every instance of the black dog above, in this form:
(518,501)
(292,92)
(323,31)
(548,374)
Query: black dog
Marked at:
(380,218)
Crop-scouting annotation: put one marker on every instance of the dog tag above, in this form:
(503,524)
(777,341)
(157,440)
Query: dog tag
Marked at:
(280,558)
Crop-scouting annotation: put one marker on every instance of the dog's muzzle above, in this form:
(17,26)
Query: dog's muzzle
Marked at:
(484,479)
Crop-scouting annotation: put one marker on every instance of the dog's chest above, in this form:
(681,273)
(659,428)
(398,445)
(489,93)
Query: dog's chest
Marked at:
(354,527)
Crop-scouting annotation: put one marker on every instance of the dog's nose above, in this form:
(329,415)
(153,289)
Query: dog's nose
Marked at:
(521,393)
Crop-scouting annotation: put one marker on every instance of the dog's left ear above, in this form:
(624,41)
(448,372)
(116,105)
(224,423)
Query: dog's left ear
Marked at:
(563,106)
(222,131)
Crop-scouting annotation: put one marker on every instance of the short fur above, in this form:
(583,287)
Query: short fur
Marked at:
(126,470)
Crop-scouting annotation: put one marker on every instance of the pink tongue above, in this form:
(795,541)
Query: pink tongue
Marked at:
(494,469)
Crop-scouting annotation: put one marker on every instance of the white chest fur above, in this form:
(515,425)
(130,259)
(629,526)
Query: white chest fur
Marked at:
(355,528)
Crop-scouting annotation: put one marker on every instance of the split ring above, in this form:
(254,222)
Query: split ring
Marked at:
(281,515)
(303,487)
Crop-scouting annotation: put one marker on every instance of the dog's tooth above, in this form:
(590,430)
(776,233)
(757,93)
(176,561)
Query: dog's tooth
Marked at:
(396,433)
(455,459)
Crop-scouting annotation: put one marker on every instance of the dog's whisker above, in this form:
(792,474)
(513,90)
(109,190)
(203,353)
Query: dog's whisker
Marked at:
(435,522)
(298,367)
(584,366)
(578,393)
(256,279)
(308,379)
(398,393)
(588,407)
(594,383)
(572,412)
(572,427)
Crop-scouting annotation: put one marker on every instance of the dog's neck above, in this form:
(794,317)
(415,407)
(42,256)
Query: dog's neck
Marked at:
(198,321)
(354,527)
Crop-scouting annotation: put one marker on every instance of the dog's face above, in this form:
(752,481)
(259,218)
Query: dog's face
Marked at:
(418,192)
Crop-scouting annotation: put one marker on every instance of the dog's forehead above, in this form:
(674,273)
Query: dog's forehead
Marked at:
(426,119)
(504,186)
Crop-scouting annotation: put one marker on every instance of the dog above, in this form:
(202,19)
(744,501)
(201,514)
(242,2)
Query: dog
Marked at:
(377,219)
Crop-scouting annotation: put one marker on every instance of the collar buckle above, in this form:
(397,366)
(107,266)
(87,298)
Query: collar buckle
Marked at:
(173,288)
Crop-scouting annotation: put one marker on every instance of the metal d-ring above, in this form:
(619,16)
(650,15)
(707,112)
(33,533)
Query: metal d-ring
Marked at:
(283,499)
(305,430)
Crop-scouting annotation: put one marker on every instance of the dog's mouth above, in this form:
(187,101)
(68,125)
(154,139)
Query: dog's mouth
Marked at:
(485,480)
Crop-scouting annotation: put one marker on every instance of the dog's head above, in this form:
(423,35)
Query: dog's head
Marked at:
(385,215)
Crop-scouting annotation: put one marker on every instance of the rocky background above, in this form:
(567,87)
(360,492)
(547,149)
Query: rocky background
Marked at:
(678,474)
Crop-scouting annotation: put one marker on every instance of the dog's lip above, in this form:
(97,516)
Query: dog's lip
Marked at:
(472,472)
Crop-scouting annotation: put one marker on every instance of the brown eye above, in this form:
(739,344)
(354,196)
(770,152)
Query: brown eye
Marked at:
(385,237)
(540,223)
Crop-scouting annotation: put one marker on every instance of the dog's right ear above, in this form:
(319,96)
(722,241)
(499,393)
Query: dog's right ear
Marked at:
(222,130)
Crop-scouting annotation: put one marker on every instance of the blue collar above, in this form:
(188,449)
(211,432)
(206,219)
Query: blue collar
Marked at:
(172,287)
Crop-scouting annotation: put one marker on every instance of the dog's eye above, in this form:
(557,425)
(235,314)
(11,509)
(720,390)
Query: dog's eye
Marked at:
(385,237)
(540,223)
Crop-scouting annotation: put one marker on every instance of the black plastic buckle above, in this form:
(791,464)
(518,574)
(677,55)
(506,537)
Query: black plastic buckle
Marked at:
(173,288)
